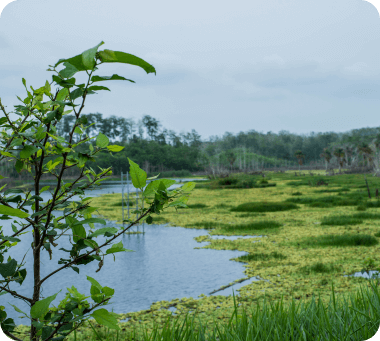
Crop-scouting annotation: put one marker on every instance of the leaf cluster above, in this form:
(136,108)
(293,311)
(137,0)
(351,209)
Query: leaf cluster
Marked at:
(35,145)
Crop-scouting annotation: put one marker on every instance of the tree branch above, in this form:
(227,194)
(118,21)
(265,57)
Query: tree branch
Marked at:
(60,323)
(11,335)
(16,294)
(94,250)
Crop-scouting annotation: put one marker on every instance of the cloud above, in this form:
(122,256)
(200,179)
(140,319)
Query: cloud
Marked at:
(357,68)
(274,58)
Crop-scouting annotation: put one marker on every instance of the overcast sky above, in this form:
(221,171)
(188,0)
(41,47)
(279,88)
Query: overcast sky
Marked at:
(267,65)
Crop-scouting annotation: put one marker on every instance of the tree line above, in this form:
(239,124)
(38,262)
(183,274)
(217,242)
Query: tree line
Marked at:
(158,149)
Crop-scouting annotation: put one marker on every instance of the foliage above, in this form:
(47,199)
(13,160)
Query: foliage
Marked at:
(264,207)
(34,143)
(239,180)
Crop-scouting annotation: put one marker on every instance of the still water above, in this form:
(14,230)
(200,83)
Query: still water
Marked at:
(163,266)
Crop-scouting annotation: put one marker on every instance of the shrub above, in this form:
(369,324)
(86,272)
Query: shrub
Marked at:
(297,193)
(264,207)
(227,181)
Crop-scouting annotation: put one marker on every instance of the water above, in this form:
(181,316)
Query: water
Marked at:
(163,266)
(369,275)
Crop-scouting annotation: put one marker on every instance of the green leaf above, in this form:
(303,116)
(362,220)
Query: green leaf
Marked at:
(149,220)
(153,186)
(109,56)
(28,151)
(117,248)
(76,94)
(110,230)
(94,282)
(181,202)
(95,294)
(14,212)
(88,56)
(21,276)
(6,154)
(75,268)
(8,269)
(168,182)
(40,308)
(78,130)
(105,318)
(154,177)
(189,186)
(137,174)
(43,189)
(108,78)
(115,148)
(69,71)
(52,115)
(78,232)
(3,120)
(83,61)
(38,213)
(18,310)
(62,94)
(108,291)
(91,243)
(16,142)
(97,87)
(19,166)
(11,239)
(102,140)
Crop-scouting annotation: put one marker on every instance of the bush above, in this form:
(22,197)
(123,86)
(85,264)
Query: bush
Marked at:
(228,181)
(264,207)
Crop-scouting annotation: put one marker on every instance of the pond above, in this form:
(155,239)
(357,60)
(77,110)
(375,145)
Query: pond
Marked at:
(164,265)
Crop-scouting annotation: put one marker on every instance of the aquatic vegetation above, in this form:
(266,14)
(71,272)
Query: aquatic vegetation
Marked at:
(264,207)
(292,250)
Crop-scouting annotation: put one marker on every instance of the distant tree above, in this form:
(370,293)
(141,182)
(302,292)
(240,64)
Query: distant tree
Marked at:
(366,151)
(339,153)
(161,138)
(140,129)
(126,128)
(231,157)
(327,156)
(151,125)
(349,151)
(174,139)
(300,156)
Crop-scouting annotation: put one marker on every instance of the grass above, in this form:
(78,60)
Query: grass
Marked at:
(312,240)
(264,207)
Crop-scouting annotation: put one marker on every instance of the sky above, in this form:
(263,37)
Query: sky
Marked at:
(266,65)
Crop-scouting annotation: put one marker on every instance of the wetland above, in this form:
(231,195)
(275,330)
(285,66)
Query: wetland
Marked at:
(293,246)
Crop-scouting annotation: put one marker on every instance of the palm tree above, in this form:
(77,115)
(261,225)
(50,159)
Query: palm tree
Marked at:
(339,153)
(300,156)
(366,151)
(327,156)
(349,150)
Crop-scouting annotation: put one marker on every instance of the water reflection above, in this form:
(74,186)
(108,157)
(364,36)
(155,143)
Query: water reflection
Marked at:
(164,265)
